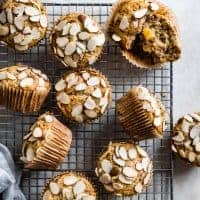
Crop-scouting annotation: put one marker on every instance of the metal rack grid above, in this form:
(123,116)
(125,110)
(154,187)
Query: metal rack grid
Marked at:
(89,140)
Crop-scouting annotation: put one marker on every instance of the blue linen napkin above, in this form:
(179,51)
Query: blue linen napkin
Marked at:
(9,176)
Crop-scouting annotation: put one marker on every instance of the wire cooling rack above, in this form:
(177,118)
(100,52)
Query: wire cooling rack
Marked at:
(89,140)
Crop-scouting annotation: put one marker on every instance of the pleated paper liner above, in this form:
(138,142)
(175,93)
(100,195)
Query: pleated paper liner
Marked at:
(97,73)
(134,119)
(51,31)
(21,100)
(54,149)
(91,189)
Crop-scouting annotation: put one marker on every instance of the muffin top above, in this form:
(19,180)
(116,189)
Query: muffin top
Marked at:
(146,30)
(23,23)
(40,139)
(153,107)
(124,169)
(24,77)
(83,95)
(77,40)
(186,138)
(69,185)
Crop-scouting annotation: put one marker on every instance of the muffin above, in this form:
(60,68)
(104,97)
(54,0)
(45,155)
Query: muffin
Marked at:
(23,23)
(77,40)
(186,138)
(124,169)
(146,30)
(47,143)
(83,96)
(141,114)
(22,88)
(69,185)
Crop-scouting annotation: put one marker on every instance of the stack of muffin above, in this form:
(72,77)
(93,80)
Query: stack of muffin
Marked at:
(148,35)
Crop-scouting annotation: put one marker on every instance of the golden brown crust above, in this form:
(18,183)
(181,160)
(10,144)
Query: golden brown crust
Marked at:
(47,143)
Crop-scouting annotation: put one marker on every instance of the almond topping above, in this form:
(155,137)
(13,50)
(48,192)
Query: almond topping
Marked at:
(132,153)
(141,151)
(77,110)
(80,87)
(179,137)
(106,166)
(154,6)
(129,172)
(124,23)
(79,187)
(30,153)
(70,62)
(70,48)
(75,28)
(27,82)
(140,13)
(85,75)
(195,131)
(195,116)
(125,180)
(61,41)
(97,93)
(105,179)
(63,98)
(123,153)
(3,75)
(93,81)
(116,38)
(48,118)
(60,85)
(90,103)
(83,35)
(138,188)
(54,188)
(117,186)
(90,25)
(37,132)
(90,113)
(70,180)
(118,161)
(31,11)
(43,21)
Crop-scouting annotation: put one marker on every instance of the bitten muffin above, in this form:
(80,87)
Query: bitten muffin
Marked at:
(23,23)
(47,143)
(124,169)
(70,186)
(83,96)
(22,88)
(146,30)
(186,138)
(77,40)
(141,114)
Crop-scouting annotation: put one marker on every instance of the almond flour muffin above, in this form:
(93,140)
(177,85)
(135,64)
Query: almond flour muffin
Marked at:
(47,143)
(69,186)
(124,169)
(141,114)
(186,138)
(23,23)
(22,88)
(146,30)
(77,40)
(83,96)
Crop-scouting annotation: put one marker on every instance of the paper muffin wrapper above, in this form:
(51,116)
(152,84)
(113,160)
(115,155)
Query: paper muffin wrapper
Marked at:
(50,45)
(109,99)
(20,100)
(55,148)
(92,187)
(134,118)
(134,59)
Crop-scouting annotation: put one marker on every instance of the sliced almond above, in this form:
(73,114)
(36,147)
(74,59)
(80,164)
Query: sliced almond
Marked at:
(116,38)
(79,187)
(93,81)
(63,98)
(123,153)
(118,161)
(188,118)
(76,110)
(197,147)
(30,153)
(36,71)
(195,116)
(147,106)
(145,163)
(92,43)
(71,79)
(185,126)
(12,29)
(118,186)
(125,180)
(66,28)
(81,46)
(90,25)
(35,18)
(195,131)
(60,85)
(97,93)
(138,188)
(43,21)
(147,178)
(179,137)
(60,25)
(35,33)
(60,52)
(19,10)
(74,29)
(27,40)
(142,152)
(18,38)
(139,166)
(182,153)
(90,103)
(27,30)
(84,35)
(11,76)
(3,17)
(85,76)
(27,82)
(37,132)
(54,188)
(154,6)
(4,30)
(129,172)
(106,166)
(19,22)
(70,180)
(70,62)
(48,118)
(186,144)
(140,13)
(41,82)
(103,83)
(191,156)
(9,15)
(124,24)
(105,179)
(132,153)
(31,11)
(79,118)
(3,75)
(92,60)
(61,41)
(90,113)
(70,48)
(100,39)
(103,101)
(80,87)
